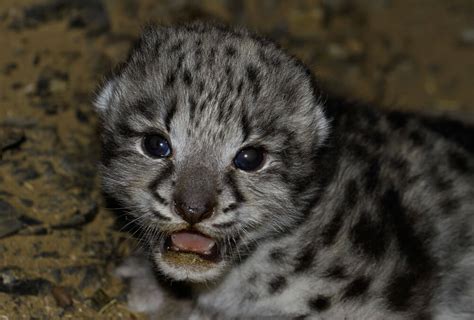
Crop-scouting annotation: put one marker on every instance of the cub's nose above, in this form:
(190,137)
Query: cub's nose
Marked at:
(195,193)
(193,212)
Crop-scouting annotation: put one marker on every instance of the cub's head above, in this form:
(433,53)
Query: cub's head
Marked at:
(209,138)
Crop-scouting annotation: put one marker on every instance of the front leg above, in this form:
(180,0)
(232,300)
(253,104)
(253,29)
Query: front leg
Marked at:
(147,295)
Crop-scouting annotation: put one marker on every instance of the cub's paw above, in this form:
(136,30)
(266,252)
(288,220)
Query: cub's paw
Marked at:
(145,294)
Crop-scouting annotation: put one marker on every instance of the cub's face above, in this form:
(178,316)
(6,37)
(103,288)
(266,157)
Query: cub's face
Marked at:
(208,139)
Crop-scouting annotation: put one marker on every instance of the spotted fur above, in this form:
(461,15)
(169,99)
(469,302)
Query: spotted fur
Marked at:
(356,213)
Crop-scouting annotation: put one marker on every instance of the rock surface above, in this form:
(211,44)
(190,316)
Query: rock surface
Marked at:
(58,245)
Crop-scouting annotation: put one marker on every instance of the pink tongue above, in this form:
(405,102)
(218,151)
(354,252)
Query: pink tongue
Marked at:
(193,242)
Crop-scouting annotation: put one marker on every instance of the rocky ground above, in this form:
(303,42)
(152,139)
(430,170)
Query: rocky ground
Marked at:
(58,244)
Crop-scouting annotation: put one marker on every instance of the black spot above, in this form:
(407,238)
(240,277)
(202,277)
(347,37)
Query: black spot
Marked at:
(375,138)
(187,79)
(320,303)
(399,164)
(170,113)
(400,291)
(269,61)
(332,228)
(160,215)
(224,225)
(145,107)
(443,184)
(244,123)
(192,108)
(125,130)
(202,106)
(232,183)
(230,86)
(198,54)
(239,88)
(368,237)
(423,315)
(277,254)
(325,163)
(211,58)
(336,272)
(252,75)
(230,107)
(246,250)
(417,138)
(449,206)
(277,285)
(230,51)
(176,46)
(201,87)
(455,131)
(180,62)
(229,72)
(170,78)
(157,49)
(304,259)
(230,207)
(351,194)
(358,151)
(372,175)
(410,245)
(458,161)
(165,174)
(356,288)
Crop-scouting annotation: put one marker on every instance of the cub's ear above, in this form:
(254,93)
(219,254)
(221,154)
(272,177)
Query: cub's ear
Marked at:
(104,96)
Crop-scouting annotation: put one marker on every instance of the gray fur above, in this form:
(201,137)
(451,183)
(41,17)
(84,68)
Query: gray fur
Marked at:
(356,213)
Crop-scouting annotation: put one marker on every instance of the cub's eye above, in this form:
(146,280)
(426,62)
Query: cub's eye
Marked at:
(249,159)
(156,146)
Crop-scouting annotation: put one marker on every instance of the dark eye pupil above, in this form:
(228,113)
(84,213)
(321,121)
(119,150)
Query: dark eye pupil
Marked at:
(249,159)
(156,146)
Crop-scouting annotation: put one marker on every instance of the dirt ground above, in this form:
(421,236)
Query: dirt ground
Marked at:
(58,244)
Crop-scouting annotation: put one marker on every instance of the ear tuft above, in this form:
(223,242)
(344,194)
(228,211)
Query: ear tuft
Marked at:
(104,96)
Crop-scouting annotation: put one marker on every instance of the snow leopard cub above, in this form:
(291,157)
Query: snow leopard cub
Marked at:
(267,201)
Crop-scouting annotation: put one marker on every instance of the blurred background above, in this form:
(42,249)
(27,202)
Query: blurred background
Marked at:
(58,246)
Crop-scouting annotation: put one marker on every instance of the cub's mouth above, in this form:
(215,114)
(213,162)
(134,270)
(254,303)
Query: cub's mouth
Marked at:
(189,248)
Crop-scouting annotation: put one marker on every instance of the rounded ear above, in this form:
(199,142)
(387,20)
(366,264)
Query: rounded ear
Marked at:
(104,96)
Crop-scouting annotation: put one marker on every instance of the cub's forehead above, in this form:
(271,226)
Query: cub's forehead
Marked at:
(203,49)
(199,75)
(199,58)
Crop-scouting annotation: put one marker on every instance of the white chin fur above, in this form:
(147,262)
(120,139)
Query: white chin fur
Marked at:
(188,274)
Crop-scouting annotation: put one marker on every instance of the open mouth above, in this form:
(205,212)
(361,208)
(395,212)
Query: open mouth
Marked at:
(188,247)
